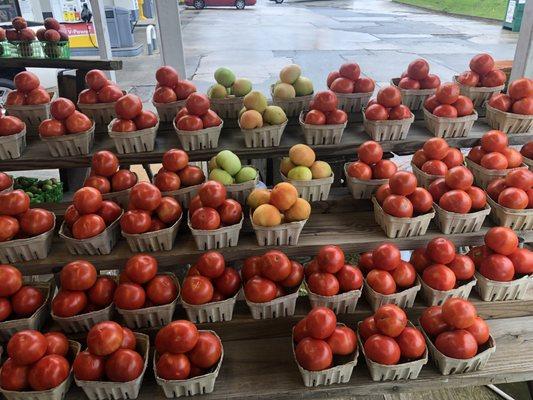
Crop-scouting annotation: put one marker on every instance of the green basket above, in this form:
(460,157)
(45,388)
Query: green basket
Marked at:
(56,49)
(20,49)
(40,191)
(5,49)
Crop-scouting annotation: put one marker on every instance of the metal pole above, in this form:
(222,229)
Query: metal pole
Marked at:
(102,34)
(523,58)
(169,26)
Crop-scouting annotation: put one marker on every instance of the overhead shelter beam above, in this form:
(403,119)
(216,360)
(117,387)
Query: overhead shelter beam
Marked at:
(102,34)
(170,38)
(523,59)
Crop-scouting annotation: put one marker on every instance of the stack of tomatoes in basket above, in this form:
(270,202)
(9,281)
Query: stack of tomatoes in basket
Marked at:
(388,339)
(210,280)
(436,157)
(270,276)
(6,181)
(418,77)
(36,361)
(348,79)
(482,73)
(17,301)
(149,211)
(82,291)
(10,125)
(141,286)
(89,214)
(106,175)
(494,152)
(130,115)
(177,173)
(210,209)
(196,114)
(518,100)
(28,91)
(323,110)
(328,275)
(100,89)
(370,164)
(183,352)
(515,191)
(170,87)
(65,120)
(111,354)
(320,342)
(455,329)
(447,102)
(387,106)
(18,220)
(402,198)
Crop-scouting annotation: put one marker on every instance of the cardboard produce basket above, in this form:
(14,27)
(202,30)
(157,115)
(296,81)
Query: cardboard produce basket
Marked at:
(450,222)
(404,299)
(202,384)
(12,146)
(31,115)
(342,303)
(70,145)
(134,142)
(336,374)
(227,108)
(215,311)
(122,197)
(413,98)
(312,190)
(167,111)
(281,235)
(450,366)
(84,322)
(27,249)
(509,122)
(321,134)
(353,102)
(484,176)
(202,139)
(362,189)
(227,236)
(160,240)
(449,127)
(391,129)
(518,220)
(101,113)
(395,227)
(105,390)
(436,297)
(479,95)
(283,306)
(490,290)
(266,136)
(381,372)
(241,191)
(424,178)
(184,195)
(292,107)
(528,162)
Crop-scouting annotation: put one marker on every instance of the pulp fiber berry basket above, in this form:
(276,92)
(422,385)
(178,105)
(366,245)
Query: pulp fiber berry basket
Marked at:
(353,102)
(312,190)
(449,127)
(342,303)
(404,299)
(201,139)
(134,142)
(227,236)
(490,290)
(414,99)
(70,145)
(215,311)
(450,222)
(362,189)
(391,129)
(518,220)
(160,240)
(484,176)
(167,111)
(27,249)
(422,177)
(281,235)
(12,146)
(184,195)
(478,95)
(292,107)
(283,306)
(435,297)
(266,136)
(321,134)
(509,122)
(227,108)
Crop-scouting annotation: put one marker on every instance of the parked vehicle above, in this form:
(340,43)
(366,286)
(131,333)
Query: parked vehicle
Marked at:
(239,4)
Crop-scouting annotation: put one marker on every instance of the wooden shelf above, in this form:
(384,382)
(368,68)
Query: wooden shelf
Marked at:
(59,63)
(36,155)
(264,368)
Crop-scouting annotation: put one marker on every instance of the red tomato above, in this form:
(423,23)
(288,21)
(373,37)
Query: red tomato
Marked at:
(350,278)
(260,290)
(464,106)
(87,200)
(367,328)
(197,290)
(145,196)
(447,93)
(514,158)
(205,218)
(212,194)
(520,178)
(403,183)
(169,210)
(463,267)
(5,181)
(191,175)
(495,187)
(350,71)
(382,349)
(331,77)
(16,98)
(37,96)
(459,178)
(104,163)
(109,211)
(494,141)
(61,108)
(252,267)
(141,268)
(109,94)
(390,320)
(325,101)
(14,203)
(386,257)
(384,169)
(100,183)
(364,85)
(175,160)
(88,226)
(342,85)
(197,104)
(409,84)
(342,341)
(501,240)
(432,321)
(370,152)
(431,103)
(101,293)
(478,197)
(381,281)
(336,117)
(513,198)
(230,212)
(14,377)
(434,167)
(480,330)
(229,283)
(360,170)
(275,265)
(36,221)
(300,330)
(78,275)
(26,301)
(135,221)
(482,63)
(5,309)
(421,200)
(439,277)
(323,284)
(453,158)
(457,201)
(445,111)
(522,260)
(497,268)
(173,366)
(124,365)
(441,250)
(459,344)
(493,78)
(68,303)
(419,158)
(527,150)
(432,81)
(418,69)
(129,296)
(419,259)
(88,96)
(476,153)
(412,343)
(48,372)
(376,112)
(321,322)
(177,337)
(520,88)
(389,96)
(458,313)
(123,179)
(207,350)
(128,106)
(26,347)
(382,193)
(9,228)
(166,76)
(26,81)
(330,258)
(78,122)
(315,117)
(210,119)
(123,125)
(398,206)
(104,338)
(404,275)
(145,120)
(161,290)
(96,79)
(313,354)
(10,125)
(523,106)
(183,89)
(478,254)
(501,101)
(400,112)
(88,367)
(211,264)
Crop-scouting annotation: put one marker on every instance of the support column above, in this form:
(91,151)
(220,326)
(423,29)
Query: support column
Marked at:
(523,58)
(169,27)
(102,34)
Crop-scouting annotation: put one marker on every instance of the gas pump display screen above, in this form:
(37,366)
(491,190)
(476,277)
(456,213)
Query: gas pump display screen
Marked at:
(8,10)
(109,14)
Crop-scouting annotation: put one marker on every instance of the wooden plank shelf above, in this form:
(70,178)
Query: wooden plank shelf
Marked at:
(264,368)
(71,63)
(37,156)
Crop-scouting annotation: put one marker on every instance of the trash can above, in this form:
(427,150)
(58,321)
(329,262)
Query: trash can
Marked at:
(112,27)
(513,15)
(123,17)
(148,8)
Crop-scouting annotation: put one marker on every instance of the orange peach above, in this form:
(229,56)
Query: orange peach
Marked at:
(286,165)
(283,196)
(258,197)
(299,211)
(266,215)
(302,154)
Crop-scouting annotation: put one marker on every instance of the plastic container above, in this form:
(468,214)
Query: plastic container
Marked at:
(395,227)
(518,220)
(450,366)
(413,98)
(202,384)
(216,311)
(450,222)
(435,297)
(292,107)
(134,142)
(381,372)
(101,113)
(227,236)
(353,102)
(31,115)
(241,191)
(362,189)
(101,390)
(449,127)
(321,134)
(100,244)
(33,248)
(12,146)
(423,178)
(403,299)
(283,306)
(337,374)
(391,129)
(490,290)
(312,190)
(57,393)
(167,111)
(184,195)
(342,303)
(161,240)
(266,136)
(149,317)
(70,145)
(484,176)
(227,108)
(36,321)
(478,95)
(202,139)
(281,235)
(56,50)
(509,122)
